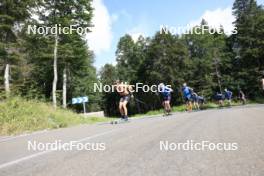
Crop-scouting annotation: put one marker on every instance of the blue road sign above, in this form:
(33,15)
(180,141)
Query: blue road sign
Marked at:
(79,100)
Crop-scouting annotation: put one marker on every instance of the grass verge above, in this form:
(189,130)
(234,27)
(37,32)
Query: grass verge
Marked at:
(19,116)
(182,108)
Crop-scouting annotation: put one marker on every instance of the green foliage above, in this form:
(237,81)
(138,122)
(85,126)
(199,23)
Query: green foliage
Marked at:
(108,75)
(240,7)
(210,65)
(31,58)
(12,14)
(18,115)
(248,47)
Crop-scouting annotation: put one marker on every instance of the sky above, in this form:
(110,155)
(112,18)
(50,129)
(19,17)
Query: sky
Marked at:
(115,18)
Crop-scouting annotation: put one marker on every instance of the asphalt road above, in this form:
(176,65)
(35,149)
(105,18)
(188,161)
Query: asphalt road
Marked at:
(134,148)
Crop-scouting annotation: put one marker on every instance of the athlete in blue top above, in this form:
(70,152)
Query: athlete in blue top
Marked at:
(166,95)
(187,94)
(228,96)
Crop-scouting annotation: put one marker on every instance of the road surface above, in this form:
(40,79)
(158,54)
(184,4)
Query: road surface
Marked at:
(134,148)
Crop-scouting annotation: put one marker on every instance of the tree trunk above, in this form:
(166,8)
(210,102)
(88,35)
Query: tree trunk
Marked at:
(218,79)
(64,89)
(263,83)
(7,78)
(55,78)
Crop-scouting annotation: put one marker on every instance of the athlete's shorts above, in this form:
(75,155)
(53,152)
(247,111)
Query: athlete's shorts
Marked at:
(201,100)
(187,99)
(125,98)
(228,98)
(195,99)
(167,98)
(219,97)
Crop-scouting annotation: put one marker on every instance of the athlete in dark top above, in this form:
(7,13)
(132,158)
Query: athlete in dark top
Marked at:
(166,95)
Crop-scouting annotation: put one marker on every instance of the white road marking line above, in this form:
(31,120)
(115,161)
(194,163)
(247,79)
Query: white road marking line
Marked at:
(9,138)
(49,151)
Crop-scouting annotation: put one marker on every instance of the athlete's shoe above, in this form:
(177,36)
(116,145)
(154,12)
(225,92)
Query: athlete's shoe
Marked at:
(125,118)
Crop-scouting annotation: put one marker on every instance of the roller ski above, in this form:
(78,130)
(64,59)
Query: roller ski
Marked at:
(167,113)
(119,121)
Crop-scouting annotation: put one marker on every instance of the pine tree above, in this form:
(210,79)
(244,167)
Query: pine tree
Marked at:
(210,60)
(248,47)
(12,14)
(108,74)
(124,57)
(64,14)
(240,7)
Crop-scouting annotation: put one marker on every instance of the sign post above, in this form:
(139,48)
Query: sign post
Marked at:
(84,108)
(81,100)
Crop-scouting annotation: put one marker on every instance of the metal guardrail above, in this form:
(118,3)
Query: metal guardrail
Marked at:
(95,114)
